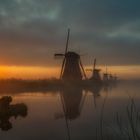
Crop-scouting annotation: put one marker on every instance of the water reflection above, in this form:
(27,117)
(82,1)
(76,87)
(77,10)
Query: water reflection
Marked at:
(96,90)
(76,111)
(7,111)
(73,99)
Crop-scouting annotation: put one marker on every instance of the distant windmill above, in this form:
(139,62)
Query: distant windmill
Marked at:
(111,77)
(72,68)
(106,76)
(95,72)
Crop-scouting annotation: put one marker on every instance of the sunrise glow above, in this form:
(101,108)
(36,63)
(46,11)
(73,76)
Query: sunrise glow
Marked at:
(34,72)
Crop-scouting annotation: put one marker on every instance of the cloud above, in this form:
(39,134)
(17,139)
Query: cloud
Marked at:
(32,30)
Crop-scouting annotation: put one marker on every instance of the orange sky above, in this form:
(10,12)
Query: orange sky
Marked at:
(26,72)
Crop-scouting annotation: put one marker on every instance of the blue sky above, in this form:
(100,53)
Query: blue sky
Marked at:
(32,30)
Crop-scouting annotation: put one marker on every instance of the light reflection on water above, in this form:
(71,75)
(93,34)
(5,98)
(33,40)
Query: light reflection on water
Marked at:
(70,114)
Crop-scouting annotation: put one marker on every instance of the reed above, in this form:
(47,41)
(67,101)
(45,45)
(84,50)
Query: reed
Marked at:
(132,127)
(127,128)
(124,128)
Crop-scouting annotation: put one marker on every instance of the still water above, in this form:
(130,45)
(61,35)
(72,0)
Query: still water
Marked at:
(72,114)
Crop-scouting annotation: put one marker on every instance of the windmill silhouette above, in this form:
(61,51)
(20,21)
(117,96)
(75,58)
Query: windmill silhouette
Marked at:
(106,76)
(72,68)
(95,73)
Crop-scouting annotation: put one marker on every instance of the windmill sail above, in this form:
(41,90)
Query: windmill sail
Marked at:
(63,63)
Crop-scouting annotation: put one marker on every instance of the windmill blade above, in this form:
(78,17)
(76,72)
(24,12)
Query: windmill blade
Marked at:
(59,55)
(62,68)
(67,43)
(94,66)
(66,50)
(83,70)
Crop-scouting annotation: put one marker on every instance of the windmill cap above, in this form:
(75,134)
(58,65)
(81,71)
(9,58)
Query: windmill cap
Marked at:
(72,54)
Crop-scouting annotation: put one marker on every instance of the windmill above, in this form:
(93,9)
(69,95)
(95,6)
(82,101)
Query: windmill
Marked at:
(95,73)
(110,77)
(106,76)
(72,68)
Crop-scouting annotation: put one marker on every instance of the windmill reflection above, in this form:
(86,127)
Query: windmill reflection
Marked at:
(7,111)
(72,102)
(73,99)
(95,90)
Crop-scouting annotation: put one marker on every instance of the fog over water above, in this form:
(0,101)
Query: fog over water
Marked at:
(46,118)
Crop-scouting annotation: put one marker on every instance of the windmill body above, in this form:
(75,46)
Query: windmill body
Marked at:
(72,99)
(72,69)
(96,75)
